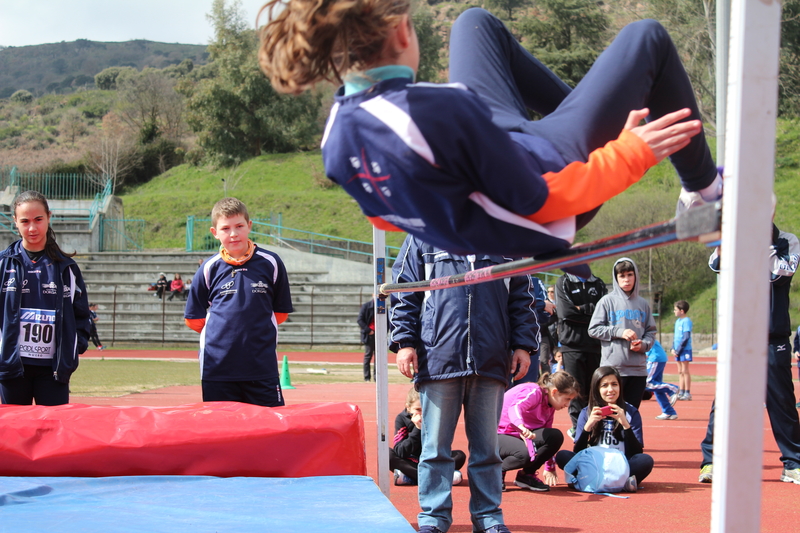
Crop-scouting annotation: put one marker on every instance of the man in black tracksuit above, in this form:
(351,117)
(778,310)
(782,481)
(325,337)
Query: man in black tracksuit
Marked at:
(575,301)
(784,256)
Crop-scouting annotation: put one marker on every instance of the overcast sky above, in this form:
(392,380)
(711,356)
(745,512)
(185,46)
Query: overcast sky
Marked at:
(26,22)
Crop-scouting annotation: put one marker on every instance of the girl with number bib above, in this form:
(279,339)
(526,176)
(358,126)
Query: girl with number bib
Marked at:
(44,316)
(610,422)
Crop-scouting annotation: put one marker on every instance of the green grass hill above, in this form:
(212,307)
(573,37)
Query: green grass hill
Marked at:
(292,185)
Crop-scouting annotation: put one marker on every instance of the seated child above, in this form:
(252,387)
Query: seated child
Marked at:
(462,166)
(526,436)
(407,445)
(622,429)
(666,393)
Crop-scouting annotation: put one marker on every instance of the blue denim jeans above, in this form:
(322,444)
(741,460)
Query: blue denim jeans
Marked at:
(442,401)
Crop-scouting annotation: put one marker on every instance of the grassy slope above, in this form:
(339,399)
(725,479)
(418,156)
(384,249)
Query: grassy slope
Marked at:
(270,184)
(289,184)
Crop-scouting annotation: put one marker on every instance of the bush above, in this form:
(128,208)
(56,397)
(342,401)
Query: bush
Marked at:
(22,96)
(195,157)
(59,166)
(155,158)
(95,109)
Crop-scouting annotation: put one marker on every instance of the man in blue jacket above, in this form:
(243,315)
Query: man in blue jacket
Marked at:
(459,345)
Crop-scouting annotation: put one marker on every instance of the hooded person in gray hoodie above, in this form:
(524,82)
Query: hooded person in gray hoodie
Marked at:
(624,325)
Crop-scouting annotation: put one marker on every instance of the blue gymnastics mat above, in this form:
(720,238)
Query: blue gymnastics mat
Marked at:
(196,504)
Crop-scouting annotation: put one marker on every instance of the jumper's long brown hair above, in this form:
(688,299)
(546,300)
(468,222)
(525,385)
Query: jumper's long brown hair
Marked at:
(51,247)
(307,41)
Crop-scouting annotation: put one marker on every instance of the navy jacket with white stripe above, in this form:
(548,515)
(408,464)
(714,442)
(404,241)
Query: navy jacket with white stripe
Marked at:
(72,322)
(461,331)
(410,153)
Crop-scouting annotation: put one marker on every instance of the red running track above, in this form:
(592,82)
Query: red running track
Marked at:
(672,499)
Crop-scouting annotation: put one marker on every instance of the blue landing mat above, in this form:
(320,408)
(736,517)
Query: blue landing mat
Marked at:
(196,504)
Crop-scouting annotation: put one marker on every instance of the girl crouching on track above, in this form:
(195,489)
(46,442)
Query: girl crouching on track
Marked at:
(527,438)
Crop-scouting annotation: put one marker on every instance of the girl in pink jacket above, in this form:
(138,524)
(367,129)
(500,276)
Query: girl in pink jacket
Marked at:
(527,439)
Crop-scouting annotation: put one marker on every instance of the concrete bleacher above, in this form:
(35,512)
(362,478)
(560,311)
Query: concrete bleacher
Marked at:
(326,293)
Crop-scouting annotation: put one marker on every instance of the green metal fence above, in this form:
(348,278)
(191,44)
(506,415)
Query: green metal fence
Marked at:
(198,239)
(54,186)
(121,234)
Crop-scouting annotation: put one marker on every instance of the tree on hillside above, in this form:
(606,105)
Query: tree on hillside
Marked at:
(148,103)
(789,80)
(430,45)
(508,6)
(566,35)
(72,125)
(115,155)
(237,114)
(107,79)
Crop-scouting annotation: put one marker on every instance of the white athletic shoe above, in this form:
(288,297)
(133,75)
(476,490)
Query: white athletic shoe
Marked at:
(665,416)
(401,479)
(687,200)
(457,477)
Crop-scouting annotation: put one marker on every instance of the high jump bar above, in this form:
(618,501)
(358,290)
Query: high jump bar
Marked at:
(700,224)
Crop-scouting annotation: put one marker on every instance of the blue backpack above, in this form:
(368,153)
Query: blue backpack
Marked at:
(598,470)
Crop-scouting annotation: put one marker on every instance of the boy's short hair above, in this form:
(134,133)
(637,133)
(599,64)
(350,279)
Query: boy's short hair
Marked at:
(228,207)
(683,305)
(624,266)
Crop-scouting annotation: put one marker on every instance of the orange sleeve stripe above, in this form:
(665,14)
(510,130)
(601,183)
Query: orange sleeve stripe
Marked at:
(197,324)
(379,223)
(280,318)
(580,187)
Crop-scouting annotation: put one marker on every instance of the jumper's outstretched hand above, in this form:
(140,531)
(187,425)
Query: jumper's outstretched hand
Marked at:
(665,135)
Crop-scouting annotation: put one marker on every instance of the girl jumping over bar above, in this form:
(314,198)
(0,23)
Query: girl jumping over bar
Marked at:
(461,165)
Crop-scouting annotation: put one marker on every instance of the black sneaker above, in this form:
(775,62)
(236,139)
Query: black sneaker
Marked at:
(530,482)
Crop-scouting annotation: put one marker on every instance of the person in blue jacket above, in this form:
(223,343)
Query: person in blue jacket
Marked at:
(459,346)
(462,165)
(45,312)
(666,393)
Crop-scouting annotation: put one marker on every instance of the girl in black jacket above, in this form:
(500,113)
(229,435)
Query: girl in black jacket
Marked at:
(44,313)
(610,422)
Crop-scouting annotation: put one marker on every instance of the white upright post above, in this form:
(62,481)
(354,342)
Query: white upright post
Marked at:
(744,314)
(381,360)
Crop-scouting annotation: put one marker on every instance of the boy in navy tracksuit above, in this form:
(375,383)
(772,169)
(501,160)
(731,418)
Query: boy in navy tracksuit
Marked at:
(237,299)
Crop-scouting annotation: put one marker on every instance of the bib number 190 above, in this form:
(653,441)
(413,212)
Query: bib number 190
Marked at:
(38,333)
